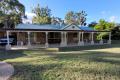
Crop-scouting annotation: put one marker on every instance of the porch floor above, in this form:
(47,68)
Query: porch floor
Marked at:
(42,46)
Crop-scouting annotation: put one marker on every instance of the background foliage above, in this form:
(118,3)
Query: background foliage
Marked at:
(11,12)
(43,15)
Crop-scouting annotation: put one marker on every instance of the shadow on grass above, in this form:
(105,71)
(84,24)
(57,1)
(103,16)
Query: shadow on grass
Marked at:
(25,71)
(102,74)
(91,56)
(28,71)
(10,54)
(109,59)
(90,47)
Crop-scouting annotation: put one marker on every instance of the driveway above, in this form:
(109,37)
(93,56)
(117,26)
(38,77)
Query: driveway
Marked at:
(6,71)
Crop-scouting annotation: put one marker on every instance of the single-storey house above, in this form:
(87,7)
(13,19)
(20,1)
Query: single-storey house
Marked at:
(38,36)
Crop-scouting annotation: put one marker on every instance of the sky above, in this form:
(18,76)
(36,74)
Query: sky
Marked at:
(96,9)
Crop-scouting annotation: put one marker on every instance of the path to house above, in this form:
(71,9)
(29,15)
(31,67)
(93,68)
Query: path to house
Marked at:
(6,71)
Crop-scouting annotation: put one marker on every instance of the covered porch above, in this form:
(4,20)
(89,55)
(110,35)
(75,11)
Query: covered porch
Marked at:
(32,39)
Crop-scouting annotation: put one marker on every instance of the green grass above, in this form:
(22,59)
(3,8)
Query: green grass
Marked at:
(94,64)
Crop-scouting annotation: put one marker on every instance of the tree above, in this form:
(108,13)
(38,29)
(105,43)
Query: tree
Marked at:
(78,18)
(116,32)
(57,20)
(93,24)
(11,12)
(43,15)
(81,18)
(70,17)
(104,25)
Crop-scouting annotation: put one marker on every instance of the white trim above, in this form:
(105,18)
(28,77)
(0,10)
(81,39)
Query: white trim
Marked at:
(65,33)
(92,41)
(69,27)
(8,41)
(35,37)
(46,44)
(29,43)
(82,43)
(79,38)
(109,41)
(8,46)
(62,39)
(101,40)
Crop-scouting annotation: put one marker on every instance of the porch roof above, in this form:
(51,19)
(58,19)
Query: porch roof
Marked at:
(51,27)
(44,30)
(36,26)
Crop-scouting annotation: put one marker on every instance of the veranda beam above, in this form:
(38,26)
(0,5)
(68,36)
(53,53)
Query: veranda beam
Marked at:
(92,41)
(109,41)
(8,46)
(82,38)
(46,44)
(29,43)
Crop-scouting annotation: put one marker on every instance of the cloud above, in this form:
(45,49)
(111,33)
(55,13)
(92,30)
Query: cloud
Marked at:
(29,15)
(27,21)
(113,18)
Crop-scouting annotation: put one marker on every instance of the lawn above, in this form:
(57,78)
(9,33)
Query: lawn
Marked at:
(92,64)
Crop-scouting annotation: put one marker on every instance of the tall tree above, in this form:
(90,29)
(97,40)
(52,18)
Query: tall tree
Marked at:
(116,32)
(70,17)
(78,18)
(57,20)
(104,25)
(81,18)
(93,24)
(43,15)
(12,11)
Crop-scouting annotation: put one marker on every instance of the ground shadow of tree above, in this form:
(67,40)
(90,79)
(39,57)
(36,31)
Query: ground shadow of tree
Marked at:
(93,56)
(11,54)
(104,57)
(29,71)
(90,47)
(101,74)
(90,56)
(26,71)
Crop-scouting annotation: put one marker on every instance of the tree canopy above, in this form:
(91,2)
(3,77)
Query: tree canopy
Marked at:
(78,18)
(93,24)
(57,20)
(116,32)
(11,12)
(104,25)
(43,15)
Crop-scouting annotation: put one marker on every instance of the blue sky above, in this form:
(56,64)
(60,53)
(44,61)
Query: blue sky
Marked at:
(96,9)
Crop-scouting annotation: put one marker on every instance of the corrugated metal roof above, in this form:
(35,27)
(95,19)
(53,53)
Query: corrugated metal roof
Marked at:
(35,26)
(86,28)
(49,27)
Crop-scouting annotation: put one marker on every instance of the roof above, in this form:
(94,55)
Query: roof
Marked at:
(84,28)
(53,27)
(36,26)
(43,30)
(63,28)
